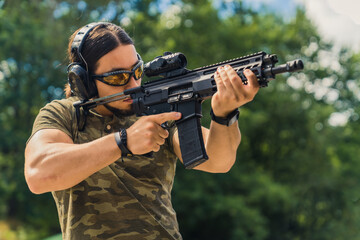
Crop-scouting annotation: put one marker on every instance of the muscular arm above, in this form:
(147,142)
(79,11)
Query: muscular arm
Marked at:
(53,162)
(221,143)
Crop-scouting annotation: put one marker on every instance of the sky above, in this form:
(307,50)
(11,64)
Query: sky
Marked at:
(337,20)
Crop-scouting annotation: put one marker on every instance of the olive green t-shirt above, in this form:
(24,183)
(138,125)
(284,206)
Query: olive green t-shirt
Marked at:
(129,199)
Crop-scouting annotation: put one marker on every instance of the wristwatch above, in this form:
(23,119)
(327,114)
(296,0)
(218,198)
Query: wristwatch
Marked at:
(229,120)
(121,141)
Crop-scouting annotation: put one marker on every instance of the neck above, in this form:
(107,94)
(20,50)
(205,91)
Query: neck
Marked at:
(102,110)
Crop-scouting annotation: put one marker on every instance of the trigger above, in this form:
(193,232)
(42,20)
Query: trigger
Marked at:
(166,125)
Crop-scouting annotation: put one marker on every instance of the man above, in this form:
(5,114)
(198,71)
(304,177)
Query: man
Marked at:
(101,191)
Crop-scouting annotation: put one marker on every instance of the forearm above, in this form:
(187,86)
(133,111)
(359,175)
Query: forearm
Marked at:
(222,141)
(53,162)
(58,166)
(221,145)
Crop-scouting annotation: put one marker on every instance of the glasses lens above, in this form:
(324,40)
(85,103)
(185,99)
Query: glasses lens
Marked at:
(117,79)
(122,77)
(138,72)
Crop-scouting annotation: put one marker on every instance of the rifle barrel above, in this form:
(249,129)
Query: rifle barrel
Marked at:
(292,66)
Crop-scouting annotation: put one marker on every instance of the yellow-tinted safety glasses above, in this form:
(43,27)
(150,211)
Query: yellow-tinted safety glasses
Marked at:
(122,77)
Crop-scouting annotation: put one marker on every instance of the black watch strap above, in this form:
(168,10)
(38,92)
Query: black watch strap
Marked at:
(121,141)
(229,120)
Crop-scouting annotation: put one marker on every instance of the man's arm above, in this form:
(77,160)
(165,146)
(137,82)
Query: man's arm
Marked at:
(221,142)
(53,162)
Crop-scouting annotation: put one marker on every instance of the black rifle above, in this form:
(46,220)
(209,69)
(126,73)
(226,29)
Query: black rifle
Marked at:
(184,90)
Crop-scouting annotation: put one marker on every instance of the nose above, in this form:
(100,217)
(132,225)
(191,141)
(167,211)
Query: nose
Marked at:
(133,83)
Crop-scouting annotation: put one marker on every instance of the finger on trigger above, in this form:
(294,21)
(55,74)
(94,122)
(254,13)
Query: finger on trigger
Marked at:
(164,117)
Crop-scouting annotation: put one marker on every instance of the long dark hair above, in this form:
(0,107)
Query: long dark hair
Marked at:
(100,41)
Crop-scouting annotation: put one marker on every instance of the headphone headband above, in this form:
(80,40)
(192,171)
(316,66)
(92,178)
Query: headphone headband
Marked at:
(78,76)
(80,37)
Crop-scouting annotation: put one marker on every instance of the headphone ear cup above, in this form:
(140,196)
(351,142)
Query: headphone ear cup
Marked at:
(79,82)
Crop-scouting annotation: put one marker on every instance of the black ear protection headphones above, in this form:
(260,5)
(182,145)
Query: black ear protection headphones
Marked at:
(78,72)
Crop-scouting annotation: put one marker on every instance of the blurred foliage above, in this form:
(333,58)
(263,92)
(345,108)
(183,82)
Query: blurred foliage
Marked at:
(297,171)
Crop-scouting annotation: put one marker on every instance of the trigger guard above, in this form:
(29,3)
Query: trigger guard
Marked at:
(165,125)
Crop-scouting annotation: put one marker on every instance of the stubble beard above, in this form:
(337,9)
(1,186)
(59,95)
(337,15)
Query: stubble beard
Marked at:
(120,112)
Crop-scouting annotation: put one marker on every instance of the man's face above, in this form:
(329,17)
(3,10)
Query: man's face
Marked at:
(123,57)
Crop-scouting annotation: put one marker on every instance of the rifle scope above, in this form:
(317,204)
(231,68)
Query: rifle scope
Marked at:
(164,64)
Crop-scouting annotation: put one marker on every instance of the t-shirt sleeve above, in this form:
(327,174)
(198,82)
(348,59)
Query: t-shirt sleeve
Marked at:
(55,115)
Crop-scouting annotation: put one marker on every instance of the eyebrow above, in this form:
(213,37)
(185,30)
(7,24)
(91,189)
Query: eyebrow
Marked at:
(124,69)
